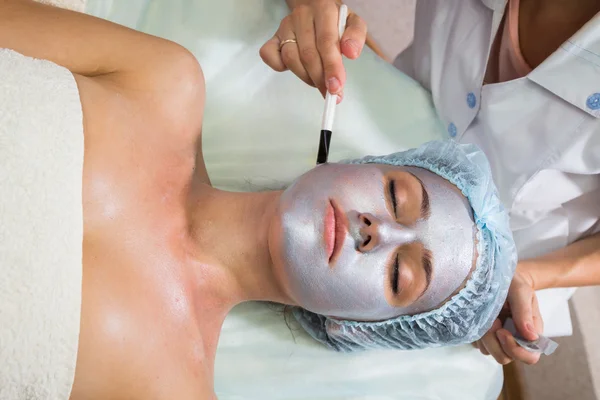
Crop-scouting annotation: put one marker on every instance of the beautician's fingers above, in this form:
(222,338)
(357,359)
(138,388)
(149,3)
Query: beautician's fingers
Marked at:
(291,58)
(304,26)
(524,306)
(513,350)
(314,25)
(354,37)
(479,346)
(538,321)
(271,56)
(328,45)
(484,350)
(493,346)
(289,52)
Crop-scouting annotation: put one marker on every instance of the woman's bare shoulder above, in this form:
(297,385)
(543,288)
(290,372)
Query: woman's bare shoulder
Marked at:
(169,96)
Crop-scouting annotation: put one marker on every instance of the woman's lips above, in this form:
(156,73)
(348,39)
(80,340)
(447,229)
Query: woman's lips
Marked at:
(329,231)
(339,232)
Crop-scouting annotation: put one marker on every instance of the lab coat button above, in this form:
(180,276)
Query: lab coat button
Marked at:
(452,129)
(471,100)
(593,102)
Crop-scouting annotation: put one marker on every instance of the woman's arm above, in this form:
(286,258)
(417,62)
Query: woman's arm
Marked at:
(575,265)
(116,68)
(83,44)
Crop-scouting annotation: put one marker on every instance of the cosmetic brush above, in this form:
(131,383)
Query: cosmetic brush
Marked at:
(330,103)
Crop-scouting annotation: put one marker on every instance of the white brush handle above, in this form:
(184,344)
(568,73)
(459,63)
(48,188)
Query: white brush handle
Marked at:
(331,100)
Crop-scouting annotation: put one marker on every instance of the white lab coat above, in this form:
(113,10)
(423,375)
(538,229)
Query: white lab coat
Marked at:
(541,132)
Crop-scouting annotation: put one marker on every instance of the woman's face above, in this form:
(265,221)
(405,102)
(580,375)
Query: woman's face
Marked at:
(371,242)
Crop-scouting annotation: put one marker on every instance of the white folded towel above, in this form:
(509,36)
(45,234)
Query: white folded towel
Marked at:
(41,228)
(75,5)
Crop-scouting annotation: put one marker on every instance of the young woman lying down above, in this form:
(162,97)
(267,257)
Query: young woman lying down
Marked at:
(408,250)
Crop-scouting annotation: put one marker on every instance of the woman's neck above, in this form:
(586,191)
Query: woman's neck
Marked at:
(565,12)
(544,25)
(229,244)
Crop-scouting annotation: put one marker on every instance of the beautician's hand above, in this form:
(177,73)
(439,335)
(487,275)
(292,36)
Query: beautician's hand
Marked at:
(523,305)
(316,58)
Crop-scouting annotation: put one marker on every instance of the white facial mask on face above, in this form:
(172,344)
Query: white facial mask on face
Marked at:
(355,287)
(449,234)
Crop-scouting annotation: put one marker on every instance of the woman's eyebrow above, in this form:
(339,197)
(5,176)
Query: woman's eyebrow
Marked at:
(427,266)
(425,206)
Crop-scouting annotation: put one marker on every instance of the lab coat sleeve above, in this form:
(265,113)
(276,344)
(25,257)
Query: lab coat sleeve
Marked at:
(415,61)
(405,62)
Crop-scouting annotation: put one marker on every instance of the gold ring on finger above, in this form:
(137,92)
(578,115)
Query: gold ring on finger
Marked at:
(286,42)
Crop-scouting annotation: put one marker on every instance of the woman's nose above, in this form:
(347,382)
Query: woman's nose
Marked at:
(374,232)
(369,232)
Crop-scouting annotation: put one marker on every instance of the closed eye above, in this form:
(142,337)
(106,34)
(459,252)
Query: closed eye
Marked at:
(392,190)
(395,275)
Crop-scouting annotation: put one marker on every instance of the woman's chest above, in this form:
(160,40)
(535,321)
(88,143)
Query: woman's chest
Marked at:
(140,327)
